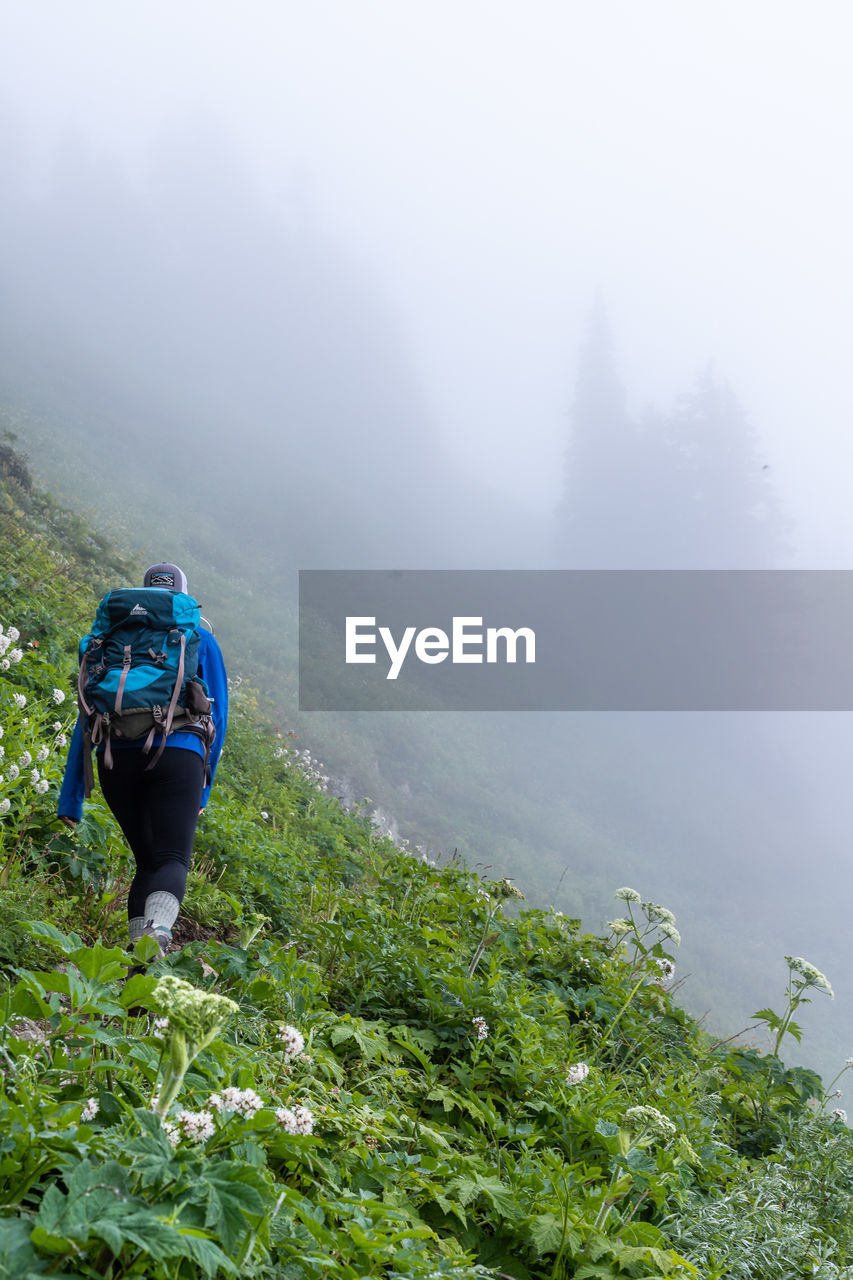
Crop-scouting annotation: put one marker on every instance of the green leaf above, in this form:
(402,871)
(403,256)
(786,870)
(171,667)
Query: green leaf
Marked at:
(137,990)
(50,1243)
(146,949)
(639,1161)
(65,942)
(205,1253)
(17,1255)
(231,1201)
(772,1019)
(545,1233)
(102,964)
(110,1233)
(499,1195)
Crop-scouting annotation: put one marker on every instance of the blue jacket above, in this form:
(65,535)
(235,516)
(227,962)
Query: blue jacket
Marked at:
(211,668)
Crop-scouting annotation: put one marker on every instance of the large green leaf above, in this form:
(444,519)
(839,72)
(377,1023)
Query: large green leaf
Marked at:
(233,1199)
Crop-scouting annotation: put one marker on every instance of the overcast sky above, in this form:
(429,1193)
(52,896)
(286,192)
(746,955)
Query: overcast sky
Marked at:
(495,164)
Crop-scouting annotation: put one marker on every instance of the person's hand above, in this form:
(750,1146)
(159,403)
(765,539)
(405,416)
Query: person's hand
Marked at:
(70,823)
(200,812)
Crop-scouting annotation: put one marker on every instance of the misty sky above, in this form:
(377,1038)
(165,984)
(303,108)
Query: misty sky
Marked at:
(494,165)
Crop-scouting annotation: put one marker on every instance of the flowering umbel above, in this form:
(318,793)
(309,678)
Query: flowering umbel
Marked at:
(244,1101)
(195,1017)
(650,1122)
(295,1119)
(292,1040)
(812,976)
(577,1073)
(197,1126)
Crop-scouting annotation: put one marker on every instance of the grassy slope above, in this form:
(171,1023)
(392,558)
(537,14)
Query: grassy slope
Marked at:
(452,781)
(431,1150)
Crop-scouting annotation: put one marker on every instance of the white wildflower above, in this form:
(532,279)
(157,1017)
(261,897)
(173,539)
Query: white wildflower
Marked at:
(25,760)
(250,1103)
(56,726)
(619,926)
(667,968)
(13,772)
(58,696)
(848,1062)
(245,1101)
(4,805)
(840,1114)
(577,1073)
(196,1125)
(293,1042)
(650,1119)
(20,700)
(61,740)
(13,633)
(172,1132)
(481,1027)
(161,1024)
(4,664)
(43,787)
(659,913)
(627,895)
(670,931)
(16,655)
(90,1110)
(264,814)
(295,1120)
(5,641)
(2,751)
(35,776)
(42,754)
(813,976)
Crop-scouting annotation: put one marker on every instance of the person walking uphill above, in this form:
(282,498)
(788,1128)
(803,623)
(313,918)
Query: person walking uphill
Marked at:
(153,703)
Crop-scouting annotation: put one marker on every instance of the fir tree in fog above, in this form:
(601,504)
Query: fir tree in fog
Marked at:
(682,490)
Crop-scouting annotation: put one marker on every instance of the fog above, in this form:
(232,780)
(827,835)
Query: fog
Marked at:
(338,276)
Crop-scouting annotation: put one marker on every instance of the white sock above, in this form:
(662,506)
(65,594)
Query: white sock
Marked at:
(135,925)
(161,911)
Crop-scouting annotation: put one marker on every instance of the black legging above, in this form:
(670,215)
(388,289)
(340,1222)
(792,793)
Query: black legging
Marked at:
(158,812)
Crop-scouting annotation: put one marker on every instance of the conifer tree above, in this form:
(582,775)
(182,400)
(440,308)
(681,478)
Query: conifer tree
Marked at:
(597,500)
(685,490)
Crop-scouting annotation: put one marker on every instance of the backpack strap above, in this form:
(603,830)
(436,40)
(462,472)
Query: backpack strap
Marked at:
(122,681)
(85,711)
(170,711)
(88,768)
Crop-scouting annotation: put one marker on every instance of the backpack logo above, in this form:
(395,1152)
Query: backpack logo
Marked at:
(138,609)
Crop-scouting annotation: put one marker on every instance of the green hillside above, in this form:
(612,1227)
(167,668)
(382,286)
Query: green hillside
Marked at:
(359,1063)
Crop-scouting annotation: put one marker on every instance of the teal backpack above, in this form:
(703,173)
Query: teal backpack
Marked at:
(138,674)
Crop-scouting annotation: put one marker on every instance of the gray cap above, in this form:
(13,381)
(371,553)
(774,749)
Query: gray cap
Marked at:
(165,575)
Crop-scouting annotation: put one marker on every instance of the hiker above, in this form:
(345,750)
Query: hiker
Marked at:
(156,779)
